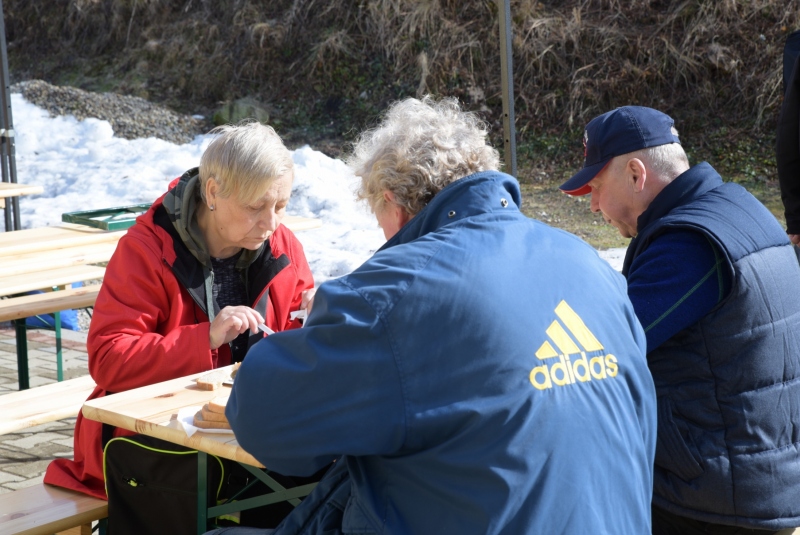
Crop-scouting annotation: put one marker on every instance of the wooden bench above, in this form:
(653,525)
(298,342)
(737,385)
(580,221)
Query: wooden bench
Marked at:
(18,308)
(25,306)
(49,278)
(48,403)
(44,509)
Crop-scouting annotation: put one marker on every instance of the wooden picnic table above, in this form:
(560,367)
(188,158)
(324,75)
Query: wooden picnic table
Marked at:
(50,258)
(153,410)
(64,235)
(13,189)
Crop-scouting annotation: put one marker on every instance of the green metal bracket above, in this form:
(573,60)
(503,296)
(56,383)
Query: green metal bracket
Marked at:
(117,218)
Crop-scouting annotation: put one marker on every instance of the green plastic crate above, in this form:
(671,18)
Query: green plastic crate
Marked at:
(117,218)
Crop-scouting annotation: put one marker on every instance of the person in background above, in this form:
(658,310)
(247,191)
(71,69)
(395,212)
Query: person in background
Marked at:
(481,373)
(787,143)
(191,281)
(711,276)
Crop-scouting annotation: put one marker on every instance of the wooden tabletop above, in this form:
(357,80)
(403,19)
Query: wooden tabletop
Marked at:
(41,280)
(21,409)
(153,410)
(96,253)
(65,235)
(8,189)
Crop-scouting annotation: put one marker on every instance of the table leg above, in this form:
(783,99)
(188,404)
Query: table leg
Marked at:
(285,495)
(59,363)
(22,353)
(279,494)
(202,492)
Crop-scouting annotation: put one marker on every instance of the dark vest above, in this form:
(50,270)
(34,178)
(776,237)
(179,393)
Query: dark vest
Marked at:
(729,386)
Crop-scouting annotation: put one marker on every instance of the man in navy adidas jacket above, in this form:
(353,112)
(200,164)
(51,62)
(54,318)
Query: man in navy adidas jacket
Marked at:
(481,373)
(712,277)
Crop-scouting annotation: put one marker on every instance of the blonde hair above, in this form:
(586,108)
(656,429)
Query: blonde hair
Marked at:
(420,147)
(244,159)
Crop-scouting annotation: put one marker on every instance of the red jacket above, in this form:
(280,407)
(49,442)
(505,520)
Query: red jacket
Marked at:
(150,324)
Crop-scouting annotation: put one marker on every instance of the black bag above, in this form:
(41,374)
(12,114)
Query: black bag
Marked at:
(152,486)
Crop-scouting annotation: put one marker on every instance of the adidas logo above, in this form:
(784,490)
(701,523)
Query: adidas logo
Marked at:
(565,371)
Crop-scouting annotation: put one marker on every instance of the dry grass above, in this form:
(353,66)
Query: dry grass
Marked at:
(708,63)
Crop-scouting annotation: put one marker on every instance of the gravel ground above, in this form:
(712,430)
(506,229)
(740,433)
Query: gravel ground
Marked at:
(130,117)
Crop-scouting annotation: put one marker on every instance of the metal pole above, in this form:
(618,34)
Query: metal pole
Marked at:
(7,159)
(507,80)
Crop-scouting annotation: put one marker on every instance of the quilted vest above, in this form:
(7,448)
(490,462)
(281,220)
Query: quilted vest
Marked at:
(729,386)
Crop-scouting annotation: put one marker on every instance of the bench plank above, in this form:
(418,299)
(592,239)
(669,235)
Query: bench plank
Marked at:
(44,509)
(49,238)
(40,280)
(25,306)
(42,404)
(56,258)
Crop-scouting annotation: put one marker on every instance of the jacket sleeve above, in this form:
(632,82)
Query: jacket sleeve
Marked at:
(287,297)
(307,396)
(787,151)
(670,294)
(136,337)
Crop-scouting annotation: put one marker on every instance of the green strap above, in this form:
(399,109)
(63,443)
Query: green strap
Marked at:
(715,269)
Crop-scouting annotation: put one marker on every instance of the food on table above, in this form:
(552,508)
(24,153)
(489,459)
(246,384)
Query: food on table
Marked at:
(202,423)
(212,414)
(214,379)
(218,404)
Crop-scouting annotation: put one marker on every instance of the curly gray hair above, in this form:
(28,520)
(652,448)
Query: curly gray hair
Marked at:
(420,147)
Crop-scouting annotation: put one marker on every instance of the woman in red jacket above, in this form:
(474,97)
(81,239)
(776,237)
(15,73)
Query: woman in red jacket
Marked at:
(191,281)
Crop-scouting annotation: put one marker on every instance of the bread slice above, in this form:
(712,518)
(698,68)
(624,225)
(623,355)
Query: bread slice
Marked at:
(218,404)
(211,416)
(213,380)
(202,423)
(235,369)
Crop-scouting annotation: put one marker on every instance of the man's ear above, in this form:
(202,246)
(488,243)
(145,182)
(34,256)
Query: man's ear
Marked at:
(398,213)
(637,174)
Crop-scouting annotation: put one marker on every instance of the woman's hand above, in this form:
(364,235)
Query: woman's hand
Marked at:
(231,322)
(307,300)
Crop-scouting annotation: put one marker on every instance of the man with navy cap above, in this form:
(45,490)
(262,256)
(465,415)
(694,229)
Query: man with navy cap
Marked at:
(712,277)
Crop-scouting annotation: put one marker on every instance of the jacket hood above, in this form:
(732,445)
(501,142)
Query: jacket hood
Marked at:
(484,192)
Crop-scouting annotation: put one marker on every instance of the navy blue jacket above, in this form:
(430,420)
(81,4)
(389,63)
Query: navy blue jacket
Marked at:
(729,385)
(481,373)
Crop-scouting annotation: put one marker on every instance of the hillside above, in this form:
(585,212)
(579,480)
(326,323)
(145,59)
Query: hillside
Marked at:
(325,70)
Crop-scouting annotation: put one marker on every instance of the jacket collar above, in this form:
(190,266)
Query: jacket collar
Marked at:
(481,193)
(687,187)
(180,202)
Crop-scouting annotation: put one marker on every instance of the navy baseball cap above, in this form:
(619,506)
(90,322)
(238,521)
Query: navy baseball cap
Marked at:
(620,131)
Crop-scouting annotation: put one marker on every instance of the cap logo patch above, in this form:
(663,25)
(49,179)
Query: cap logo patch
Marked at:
(586,142)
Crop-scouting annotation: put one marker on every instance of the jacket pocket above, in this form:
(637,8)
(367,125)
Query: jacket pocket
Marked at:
(356,520)
(672,453)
